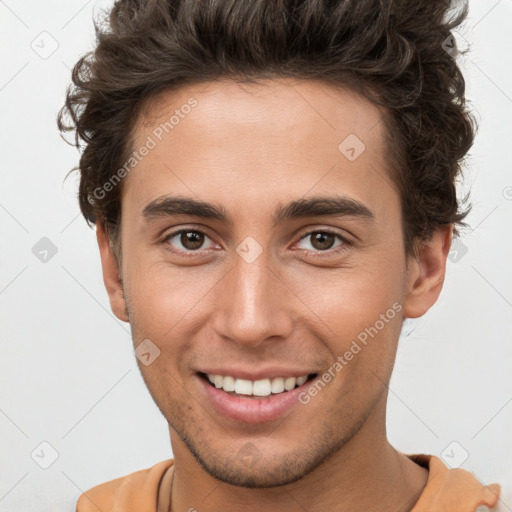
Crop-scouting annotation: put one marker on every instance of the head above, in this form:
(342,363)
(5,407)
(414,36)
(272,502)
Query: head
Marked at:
(274,189)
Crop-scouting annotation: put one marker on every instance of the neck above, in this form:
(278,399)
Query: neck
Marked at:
(340,483)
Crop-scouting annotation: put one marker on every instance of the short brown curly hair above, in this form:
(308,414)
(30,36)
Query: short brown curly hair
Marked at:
(392,51)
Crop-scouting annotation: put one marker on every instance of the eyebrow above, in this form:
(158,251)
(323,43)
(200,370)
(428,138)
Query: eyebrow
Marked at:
(166,206)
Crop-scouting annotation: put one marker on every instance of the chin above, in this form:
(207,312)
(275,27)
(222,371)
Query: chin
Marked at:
(260,475)
(249,467)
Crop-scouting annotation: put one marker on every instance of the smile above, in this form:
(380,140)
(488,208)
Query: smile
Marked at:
(256,388)
(252,401)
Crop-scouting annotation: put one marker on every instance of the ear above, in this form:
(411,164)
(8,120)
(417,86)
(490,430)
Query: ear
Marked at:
(426,273)
(111,274)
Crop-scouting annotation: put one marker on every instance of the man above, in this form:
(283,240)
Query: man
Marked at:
(273,188)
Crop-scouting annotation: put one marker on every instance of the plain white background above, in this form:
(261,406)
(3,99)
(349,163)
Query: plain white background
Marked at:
(67,370)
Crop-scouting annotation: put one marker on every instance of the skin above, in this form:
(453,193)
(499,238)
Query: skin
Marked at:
(250,149)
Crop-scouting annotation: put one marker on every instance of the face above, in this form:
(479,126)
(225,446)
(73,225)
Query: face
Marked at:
(260,244)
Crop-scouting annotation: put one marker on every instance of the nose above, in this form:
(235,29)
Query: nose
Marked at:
(253,306)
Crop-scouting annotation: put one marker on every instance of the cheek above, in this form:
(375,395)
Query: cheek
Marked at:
(161,295)
(359,309)
(351,296)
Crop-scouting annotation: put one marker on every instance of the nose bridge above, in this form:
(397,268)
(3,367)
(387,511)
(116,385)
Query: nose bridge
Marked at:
(251,306)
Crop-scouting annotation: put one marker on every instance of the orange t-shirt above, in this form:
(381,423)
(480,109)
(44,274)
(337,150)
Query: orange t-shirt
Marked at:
(447,490)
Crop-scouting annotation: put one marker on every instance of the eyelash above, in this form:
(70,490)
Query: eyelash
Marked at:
(328,252)
(186,254)
(343,247)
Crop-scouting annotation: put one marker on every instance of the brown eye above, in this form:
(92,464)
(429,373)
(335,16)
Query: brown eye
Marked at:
(188,240)
(192,239)
(321,241)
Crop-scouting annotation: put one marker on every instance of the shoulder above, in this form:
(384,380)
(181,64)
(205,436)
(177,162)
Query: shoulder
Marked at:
(453,489)
(137,491)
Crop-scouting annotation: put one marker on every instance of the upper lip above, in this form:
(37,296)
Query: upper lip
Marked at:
(264,373)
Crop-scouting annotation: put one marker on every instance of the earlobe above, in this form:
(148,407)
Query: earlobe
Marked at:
(111,274)
(426,273)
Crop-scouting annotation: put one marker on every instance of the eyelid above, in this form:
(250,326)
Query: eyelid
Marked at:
(346,242)
(184,229)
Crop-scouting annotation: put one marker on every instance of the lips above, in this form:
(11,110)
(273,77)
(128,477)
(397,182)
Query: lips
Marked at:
(240,406)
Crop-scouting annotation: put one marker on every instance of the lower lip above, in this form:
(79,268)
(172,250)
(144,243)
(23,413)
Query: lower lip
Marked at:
(252,410)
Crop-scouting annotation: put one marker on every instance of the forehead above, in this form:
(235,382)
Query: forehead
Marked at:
(289,109)
(266,140)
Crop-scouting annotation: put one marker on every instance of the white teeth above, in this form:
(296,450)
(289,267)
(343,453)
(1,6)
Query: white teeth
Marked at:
(243,387)
(289,383)
(229,383)
(301,380)
(262,387)
(277,385)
